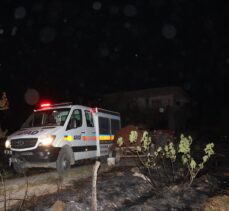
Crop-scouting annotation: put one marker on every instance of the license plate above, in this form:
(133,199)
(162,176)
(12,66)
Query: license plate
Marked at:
(7,152)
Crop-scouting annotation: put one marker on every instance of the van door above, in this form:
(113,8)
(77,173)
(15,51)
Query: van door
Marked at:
(74,132)
(90,135)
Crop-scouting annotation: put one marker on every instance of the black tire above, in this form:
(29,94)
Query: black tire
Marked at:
(63,163)
(19,168)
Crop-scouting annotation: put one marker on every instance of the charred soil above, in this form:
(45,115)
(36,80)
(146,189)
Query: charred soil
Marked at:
(124,188)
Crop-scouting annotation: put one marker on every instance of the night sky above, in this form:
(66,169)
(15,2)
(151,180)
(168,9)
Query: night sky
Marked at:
(70,49)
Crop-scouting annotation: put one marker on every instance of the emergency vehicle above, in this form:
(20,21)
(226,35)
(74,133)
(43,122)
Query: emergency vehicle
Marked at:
(58,135)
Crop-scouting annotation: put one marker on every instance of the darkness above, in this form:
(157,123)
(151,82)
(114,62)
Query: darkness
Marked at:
(80,50)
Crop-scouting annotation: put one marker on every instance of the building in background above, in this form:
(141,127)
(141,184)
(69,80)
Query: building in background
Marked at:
(156,108)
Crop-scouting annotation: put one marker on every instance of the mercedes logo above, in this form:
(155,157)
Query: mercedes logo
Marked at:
(20,142)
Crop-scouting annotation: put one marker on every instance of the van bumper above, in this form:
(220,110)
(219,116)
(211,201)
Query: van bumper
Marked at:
(38,155)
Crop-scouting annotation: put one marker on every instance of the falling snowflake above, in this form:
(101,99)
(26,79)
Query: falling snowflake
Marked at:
(127,25)
(14,31)
(48,34)
(104,52)
(114,10)
(31,96)
(169,31)
(97,5)
(130,11)
(19,12)
(82,85)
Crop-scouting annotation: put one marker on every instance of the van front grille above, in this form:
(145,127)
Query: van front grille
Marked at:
(23,143)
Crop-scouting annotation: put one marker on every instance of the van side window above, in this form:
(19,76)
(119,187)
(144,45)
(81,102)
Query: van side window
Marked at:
(89,119)
(104,125)
(75,120)
(115,126)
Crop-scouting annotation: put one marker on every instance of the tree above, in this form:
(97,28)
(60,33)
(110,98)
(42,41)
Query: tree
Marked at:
(4,106)
(4,103)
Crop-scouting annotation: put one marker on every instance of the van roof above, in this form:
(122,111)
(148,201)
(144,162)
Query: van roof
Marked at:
(57,106)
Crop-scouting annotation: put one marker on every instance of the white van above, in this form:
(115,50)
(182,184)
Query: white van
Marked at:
(58,135)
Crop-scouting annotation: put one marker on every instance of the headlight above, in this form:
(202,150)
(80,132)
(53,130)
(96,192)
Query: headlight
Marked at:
(7,144)
(47,140)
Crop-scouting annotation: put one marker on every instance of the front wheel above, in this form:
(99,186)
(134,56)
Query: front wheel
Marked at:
(63,163)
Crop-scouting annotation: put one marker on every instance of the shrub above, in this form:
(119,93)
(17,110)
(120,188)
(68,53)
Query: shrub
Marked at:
(164,158)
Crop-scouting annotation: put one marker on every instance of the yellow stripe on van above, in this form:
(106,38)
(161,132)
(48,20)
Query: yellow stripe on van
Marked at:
(68,138)
(106,138)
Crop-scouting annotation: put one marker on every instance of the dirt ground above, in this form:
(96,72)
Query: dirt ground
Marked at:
(43,183)
(121,187)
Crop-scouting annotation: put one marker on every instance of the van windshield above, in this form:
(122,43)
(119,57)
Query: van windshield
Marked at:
(50,117)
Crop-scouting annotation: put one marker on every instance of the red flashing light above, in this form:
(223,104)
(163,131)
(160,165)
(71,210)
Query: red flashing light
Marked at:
(92,110)
(45,105)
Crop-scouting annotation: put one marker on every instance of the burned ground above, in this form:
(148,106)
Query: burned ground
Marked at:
(124,188)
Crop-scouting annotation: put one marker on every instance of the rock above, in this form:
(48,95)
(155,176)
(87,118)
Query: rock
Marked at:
(136,174)
(176,188)
(59,206)
(135,169)
(120,174)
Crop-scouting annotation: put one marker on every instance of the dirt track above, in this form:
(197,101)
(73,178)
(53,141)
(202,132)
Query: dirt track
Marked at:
(40,184)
